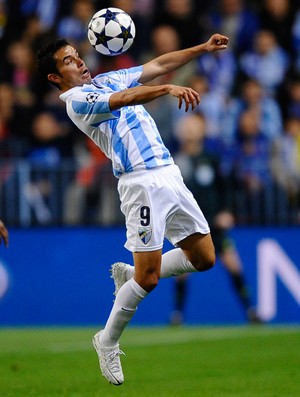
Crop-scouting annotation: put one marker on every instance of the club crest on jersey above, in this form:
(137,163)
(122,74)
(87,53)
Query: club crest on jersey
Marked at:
(92,97)
(145,234)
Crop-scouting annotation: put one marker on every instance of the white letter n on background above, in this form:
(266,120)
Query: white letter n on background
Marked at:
(273,262)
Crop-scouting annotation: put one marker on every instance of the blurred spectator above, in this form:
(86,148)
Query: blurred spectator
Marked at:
(253,96)
(271,61)
(293,100)
(6,114)
(165,38)
(50,146)
(235,19)
(35,34)
(90,198)
(74,26)
(3,18)
(200,167)
(253,152)
(220,70)
(13,22)
(20,70)
(296,42)
(51,141)
(164,110)
(251,161)
(278,17)
(142,22)
(213,106)
(45,10)
(181,15)
(144,7)
(11,143)
(10,147)
(267,63)
(286,164)
(199,161)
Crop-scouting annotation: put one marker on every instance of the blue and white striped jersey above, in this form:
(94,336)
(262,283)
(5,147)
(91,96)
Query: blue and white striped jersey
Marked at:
(128,136)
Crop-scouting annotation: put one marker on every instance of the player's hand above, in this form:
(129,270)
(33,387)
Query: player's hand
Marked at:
(217,42)
(3,234)
(186,96)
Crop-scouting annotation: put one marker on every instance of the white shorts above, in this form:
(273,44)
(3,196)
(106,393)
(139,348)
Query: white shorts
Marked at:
(157,204)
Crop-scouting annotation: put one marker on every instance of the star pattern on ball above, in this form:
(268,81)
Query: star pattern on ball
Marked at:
(111,16)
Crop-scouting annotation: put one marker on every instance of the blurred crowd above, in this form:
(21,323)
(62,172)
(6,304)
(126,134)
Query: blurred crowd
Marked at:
(246,144)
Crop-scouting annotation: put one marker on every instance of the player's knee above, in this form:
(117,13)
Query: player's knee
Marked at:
(149,282)
(205,263)
(209,262)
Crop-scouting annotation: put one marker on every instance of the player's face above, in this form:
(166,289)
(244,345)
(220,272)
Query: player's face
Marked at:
(72,69)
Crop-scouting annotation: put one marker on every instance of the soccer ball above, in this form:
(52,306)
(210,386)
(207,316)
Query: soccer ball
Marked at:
(111,31)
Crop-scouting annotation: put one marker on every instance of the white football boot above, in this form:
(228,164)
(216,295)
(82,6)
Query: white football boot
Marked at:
(119,274)
(109,360)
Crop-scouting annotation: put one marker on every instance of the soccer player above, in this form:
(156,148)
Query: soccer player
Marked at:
(4,235)
(154,199)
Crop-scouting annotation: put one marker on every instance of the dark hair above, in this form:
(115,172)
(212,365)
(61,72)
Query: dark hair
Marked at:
(46,63)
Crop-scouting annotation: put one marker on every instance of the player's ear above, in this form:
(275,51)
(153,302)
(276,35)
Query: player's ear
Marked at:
(54,78)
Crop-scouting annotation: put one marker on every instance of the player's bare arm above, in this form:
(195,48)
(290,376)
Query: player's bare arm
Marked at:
(144,94)
(173,60)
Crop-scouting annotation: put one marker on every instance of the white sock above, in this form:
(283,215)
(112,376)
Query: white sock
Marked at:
(126,303)
(175,263)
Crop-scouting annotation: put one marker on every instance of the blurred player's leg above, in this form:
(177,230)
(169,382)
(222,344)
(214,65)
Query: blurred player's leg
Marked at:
(180,294)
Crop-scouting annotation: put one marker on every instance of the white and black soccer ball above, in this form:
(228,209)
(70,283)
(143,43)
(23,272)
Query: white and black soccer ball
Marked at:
(111,31)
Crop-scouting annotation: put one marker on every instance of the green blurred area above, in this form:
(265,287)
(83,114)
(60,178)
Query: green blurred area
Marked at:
(250,361)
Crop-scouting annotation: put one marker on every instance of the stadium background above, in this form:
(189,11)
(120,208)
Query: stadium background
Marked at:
(56,269)
(46,284)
